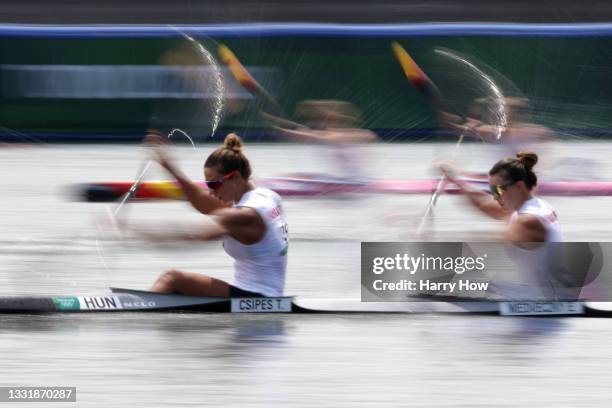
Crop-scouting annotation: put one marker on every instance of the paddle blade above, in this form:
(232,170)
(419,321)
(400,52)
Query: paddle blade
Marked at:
(115,190)
(417,77)
(229,59)
(239,72)
(413,72)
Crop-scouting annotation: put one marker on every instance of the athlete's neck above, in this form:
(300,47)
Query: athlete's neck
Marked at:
(528,196)
(243,189)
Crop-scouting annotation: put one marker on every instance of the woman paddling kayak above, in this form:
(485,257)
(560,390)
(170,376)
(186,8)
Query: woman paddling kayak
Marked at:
(248,219)
(511,183)
(333,125)
(533,229)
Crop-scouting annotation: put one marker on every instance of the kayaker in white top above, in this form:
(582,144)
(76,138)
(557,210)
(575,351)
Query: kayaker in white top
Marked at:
(533,226)
(334,125)
(511,183)
(249,220)
(511,133)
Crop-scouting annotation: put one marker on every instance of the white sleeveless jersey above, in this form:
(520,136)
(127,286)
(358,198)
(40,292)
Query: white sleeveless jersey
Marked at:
(261,267)
(545,213)
(536,266)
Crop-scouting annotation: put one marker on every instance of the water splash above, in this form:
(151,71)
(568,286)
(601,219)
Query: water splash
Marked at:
(173,131)
(217,81)
(498,96)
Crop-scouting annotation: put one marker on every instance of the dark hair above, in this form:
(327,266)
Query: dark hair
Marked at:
(229,157)
(518,169)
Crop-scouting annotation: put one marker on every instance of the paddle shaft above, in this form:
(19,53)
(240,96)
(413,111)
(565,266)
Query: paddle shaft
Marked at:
(134,189)
(434,197)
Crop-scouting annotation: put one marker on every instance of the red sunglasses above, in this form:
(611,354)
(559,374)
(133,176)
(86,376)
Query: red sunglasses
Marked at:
(216,184)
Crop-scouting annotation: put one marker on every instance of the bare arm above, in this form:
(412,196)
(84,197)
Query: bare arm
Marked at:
(482,201)
(280,122)
(243,224)
(468,126)
(301,135)
(198,197)
(172,233)
(352,135)
(329,136)
(526,229)
(479,199)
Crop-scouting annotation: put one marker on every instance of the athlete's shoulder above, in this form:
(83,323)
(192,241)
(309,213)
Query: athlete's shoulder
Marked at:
(527,227)
(266,193)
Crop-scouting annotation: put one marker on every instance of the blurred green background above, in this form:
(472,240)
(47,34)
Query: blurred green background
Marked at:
(567,81)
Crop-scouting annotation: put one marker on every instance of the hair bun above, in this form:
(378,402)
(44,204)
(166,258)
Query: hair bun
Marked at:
(528,159)
(233,142)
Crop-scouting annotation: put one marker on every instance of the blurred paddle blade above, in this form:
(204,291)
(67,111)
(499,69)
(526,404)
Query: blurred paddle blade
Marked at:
(267,103)
(412,71)
(417,77)
(236,68)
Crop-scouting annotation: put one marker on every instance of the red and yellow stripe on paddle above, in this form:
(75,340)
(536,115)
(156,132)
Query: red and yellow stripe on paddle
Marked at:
(166,190)
(416,76)
(236,68)
(413,72)
(240,73)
